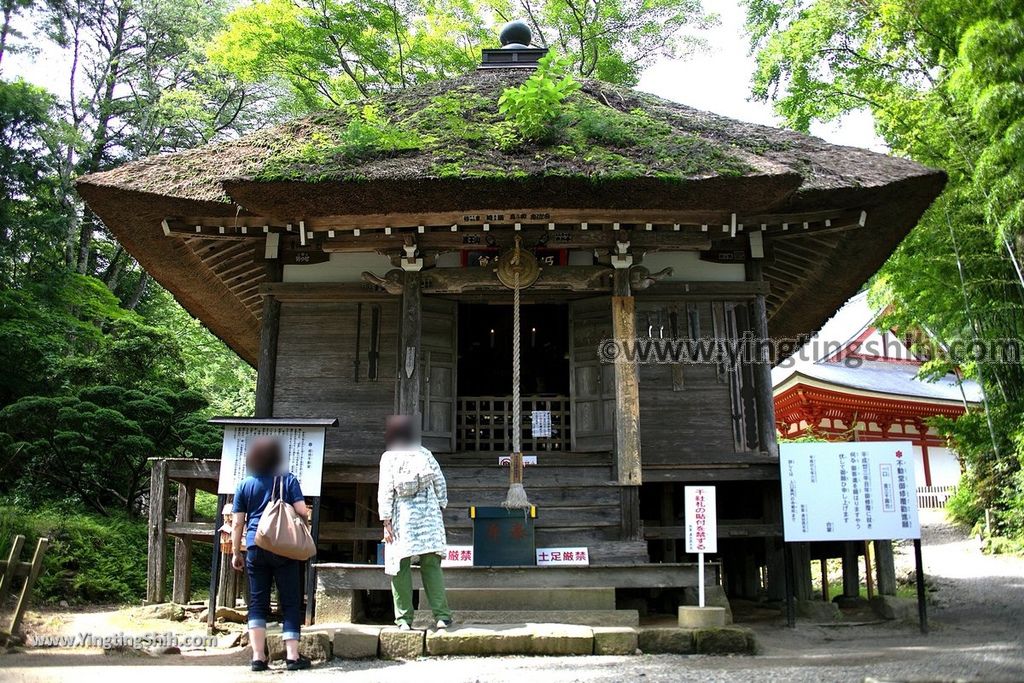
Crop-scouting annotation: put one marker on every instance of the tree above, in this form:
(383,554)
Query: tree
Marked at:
(332,51)
(612,40)
(943,82)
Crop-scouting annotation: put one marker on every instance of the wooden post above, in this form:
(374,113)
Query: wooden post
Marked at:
(885,568)
(869,578)
(629,471)
(157,566)
(13,558)
(764,400)
(181,586)
(668,518)
(801,553)
(851,570)
(216,558)
(311,564)
(408,359)
(824,579)
(269,328)
(30,582)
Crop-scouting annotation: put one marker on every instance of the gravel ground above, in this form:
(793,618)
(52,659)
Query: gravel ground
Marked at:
(977,634)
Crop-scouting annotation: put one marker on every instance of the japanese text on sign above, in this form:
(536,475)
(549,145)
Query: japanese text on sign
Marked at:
(701,519)
(303,451)
(458,556)
(558,557)
(849,491)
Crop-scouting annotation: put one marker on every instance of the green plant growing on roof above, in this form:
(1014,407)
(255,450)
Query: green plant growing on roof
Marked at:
(537,106)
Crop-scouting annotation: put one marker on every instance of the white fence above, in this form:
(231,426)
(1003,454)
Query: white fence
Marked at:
(934,497)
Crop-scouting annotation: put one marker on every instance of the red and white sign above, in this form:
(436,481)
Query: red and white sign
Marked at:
(458,556)
(563,557)
(701,519)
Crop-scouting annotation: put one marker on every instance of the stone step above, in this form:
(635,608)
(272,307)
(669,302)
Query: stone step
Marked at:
(611,617)
(489,599)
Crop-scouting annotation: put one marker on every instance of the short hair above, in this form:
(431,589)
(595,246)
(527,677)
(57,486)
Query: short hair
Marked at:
(400,431)
(265,456)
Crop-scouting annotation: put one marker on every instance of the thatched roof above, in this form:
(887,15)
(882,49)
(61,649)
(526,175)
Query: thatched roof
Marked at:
(444,146)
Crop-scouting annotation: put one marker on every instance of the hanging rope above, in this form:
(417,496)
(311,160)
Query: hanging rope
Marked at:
(516,497)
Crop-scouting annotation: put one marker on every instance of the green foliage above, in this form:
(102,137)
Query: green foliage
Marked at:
(91,558)
(943,82)
(536,106)
(612,40)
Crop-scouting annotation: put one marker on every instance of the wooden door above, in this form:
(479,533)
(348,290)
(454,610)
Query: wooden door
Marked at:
(591,381)
(438,359)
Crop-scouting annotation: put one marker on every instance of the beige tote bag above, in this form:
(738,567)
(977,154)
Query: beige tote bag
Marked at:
(281,530)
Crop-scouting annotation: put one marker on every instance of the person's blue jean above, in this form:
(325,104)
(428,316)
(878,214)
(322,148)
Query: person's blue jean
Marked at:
(264,567)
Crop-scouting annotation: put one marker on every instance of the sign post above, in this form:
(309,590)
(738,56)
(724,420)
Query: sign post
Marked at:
(701,528)
(859,491)
(302,440)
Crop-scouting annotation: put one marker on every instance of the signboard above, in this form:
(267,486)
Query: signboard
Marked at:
(563,557)
(858,491)
(527,460)
(458,556)
(540,424)
(303,451)
(701,519)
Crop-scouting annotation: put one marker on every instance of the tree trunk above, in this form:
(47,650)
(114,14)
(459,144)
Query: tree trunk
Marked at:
(140,289)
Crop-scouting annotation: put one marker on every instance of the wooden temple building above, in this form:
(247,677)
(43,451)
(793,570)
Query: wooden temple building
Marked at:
(353,263)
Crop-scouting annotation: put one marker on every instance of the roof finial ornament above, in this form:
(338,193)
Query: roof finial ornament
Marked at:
(515,35)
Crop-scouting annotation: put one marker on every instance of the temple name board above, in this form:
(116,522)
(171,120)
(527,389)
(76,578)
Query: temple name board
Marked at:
(849,491)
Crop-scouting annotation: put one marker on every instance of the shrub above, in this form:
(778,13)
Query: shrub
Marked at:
(91,559)
(535,107)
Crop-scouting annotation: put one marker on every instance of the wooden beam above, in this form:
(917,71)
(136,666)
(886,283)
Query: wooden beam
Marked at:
(764,399)
(267,363)
(627,394)
(181,585)
(409,372)
(725,530)
(157,564)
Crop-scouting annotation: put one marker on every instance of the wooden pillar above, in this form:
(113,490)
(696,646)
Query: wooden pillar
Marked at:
(775,561)
(764,400)
(802,571)
(824,579)
(628,466)
(885,568)
(269,327)
(181,590)
(851,570)
(156,570)
(409,376)
(668,518)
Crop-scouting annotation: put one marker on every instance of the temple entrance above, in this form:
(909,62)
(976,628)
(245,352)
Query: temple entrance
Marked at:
(485,377)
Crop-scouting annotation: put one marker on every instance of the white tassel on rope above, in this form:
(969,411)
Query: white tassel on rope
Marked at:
(516,498)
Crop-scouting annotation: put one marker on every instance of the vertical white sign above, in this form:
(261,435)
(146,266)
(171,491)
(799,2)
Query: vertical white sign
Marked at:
(303,451)
(701,520)
(701,528)
(858,491)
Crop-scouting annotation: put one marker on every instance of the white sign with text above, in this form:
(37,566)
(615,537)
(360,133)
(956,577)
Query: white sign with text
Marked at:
(701,519)
(563,557)
(303,451)
(858,491)
(458,556)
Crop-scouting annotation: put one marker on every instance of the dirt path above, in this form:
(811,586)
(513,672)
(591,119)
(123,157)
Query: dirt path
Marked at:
(977,619)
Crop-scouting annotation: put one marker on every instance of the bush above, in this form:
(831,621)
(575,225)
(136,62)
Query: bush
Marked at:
(91,559)
(535,107)
(963,507)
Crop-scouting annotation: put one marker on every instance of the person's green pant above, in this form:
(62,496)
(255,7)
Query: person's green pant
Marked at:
(433,584)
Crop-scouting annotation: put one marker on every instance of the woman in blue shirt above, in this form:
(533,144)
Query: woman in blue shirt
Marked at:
(264,462)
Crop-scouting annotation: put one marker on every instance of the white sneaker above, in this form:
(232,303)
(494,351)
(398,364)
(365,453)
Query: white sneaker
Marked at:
(404,627)
(443,623)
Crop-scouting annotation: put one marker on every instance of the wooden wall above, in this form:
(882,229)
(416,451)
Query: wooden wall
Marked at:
(688,411)
(316,373)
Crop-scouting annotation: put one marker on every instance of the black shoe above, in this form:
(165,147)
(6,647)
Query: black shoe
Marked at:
(259,665)
(297,664)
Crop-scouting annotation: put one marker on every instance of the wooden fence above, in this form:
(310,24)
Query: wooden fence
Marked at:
(933,497)
(485,423)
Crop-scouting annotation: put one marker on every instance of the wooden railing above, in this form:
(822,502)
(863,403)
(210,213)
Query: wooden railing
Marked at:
(934,497)
(485,424)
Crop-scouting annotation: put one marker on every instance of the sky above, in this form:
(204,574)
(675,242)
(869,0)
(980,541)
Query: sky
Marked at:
(716,79)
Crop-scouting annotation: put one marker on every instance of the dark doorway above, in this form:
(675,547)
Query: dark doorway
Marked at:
(485,350)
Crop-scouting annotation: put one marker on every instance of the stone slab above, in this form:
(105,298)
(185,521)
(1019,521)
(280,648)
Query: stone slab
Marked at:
(316,645)
(818,610)
(574,599)
(396,644)
(891,607)
(665,640)
(728,640)
(714,596)
(356,641)
(424,619)
(339,606)
(615,640)
(512,639)
(701,617)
